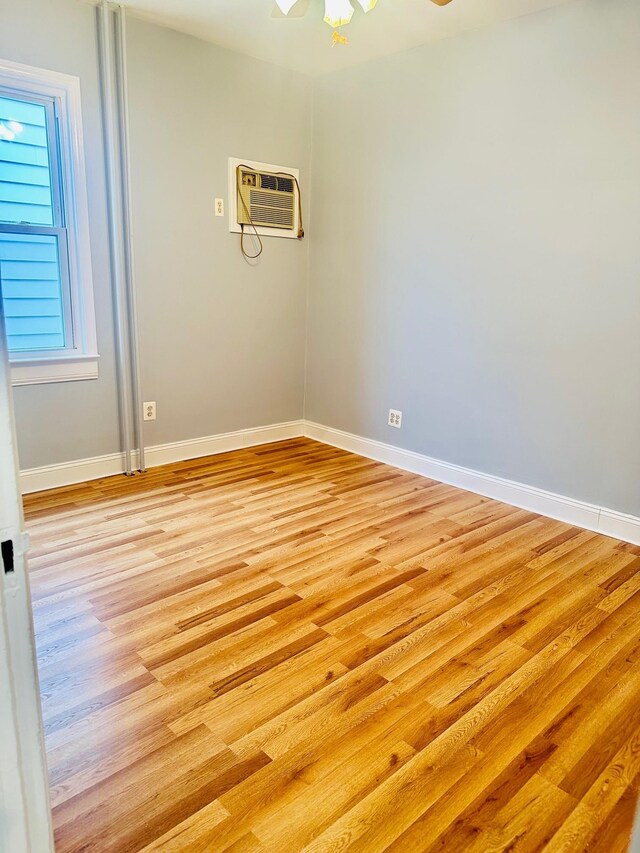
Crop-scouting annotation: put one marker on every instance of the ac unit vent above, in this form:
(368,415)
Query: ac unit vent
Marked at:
(268,182)
(271,216)
(271,200)
(285,185)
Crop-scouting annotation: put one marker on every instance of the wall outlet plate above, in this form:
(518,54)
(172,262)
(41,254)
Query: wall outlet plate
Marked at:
(395,418)
(149,411)
(219,207)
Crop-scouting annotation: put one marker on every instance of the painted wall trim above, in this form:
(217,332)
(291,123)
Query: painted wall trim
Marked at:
(82,470)
(579,513)
(46,371)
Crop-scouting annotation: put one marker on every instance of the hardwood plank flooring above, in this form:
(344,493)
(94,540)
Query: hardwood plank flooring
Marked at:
(292,648)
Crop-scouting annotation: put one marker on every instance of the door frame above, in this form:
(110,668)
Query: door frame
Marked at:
(25,812)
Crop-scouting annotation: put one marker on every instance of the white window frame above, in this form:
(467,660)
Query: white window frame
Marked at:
(80,361)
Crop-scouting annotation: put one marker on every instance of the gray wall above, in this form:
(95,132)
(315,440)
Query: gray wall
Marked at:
(222,342)
(475,258)
(69,420)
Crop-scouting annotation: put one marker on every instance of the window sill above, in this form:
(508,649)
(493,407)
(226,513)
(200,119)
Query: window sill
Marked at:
(63,368)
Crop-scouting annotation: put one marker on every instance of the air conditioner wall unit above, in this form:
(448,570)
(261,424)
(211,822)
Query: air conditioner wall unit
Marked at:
(266,199)
(266,194)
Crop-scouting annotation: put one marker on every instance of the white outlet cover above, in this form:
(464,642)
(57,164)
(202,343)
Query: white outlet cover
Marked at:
(149,411)
(219,207)
(395,418)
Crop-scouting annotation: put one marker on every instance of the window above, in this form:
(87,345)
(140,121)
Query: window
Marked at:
(45,265)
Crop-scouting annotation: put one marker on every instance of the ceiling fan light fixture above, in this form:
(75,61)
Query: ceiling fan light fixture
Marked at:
(337,13)
(285,6)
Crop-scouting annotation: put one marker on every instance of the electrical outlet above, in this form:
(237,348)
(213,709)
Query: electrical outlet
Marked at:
(149,411)
(219,207)
(395,418)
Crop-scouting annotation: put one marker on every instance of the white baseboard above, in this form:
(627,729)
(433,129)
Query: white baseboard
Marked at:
(579,513)
(68,473)
(82,470)
(192,448)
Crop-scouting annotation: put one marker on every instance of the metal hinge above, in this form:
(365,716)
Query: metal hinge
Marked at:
(6,549)
(12,548)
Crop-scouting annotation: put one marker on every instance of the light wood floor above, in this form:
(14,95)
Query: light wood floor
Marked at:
(293,648)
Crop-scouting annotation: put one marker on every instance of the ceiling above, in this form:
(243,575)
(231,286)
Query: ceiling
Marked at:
(303,44)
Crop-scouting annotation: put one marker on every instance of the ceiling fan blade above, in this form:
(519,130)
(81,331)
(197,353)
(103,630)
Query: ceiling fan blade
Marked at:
(295,8)
(337,13)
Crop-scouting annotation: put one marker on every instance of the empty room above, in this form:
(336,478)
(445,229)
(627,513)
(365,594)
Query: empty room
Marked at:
(319,426)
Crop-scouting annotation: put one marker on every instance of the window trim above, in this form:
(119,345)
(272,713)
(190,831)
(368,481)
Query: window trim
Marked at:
(81,360)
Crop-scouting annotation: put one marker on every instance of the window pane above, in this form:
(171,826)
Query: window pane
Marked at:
(25,163)
(32,291)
